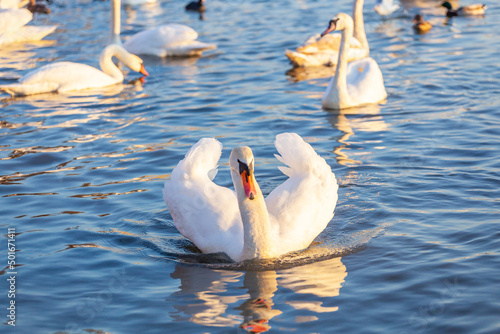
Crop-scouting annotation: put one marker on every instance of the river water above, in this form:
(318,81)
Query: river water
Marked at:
(413,246)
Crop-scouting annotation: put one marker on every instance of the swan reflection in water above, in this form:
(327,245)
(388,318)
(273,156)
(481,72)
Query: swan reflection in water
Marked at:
(210,298)
(349,121)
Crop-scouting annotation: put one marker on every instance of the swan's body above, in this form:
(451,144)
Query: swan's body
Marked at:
(356,83)
(244,225)
(166,40)
(475,9)
(67,76)
(385,7)
(323,50)
(13,27)
(420,25)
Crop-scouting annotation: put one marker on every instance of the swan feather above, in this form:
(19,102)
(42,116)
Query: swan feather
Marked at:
(208,214)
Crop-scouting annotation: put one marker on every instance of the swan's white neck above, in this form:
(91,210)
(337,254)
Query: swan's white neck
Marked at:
(106,62)
(257,242)
(115,22)
(359,23)
(337,95)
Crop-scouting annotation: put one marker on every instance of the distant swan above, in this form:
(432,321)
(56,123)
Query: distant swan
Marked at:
(321,50)
(476,9)
(357,83)
(244,225)
(13,28)
(385,7)
(162,41)
(67,76)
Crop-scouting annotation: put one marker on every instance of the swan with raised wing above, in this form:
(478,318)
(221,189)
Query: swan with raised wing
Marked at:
(13,28)
(356,83)
(63,77)
(166,40)
(245,225)
(323,50)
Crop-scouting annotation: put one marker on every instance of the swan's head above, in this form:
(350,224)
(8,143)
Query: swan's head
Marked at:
(136,64)
(338,23)
(131,61)
(241,162)
(446,5)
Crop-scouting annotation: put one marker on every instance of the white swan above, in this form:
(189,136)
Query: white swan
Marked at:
(166,40)
(385,7)
(67,76)
(244,225)
(323,50)
(356,83)
(13,28)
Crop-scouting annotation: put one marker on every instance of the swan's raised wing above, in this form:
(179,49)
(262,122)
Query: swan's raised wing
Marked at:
(302,206)
(204,212)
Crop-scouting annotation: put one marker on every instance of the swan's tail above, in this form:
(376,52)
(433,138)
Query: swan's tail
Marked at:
(315,59)
(299,156)
(191,48)
(201,160)
(296,58)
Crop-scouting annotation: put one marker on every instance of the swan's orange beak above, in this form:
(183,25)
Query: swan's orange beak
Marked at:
(143,70)
(248,184)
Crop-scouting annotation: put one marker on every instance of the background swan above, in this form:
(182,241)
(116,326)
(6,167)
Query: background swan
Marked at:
(321,50)
(385,7)
(244,225)
(13,28)
(357,83)
(166,40)
(67,76)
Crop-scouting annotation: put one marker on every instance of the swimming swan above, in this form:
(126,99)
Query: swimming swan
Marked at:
(323,50)
(356,83)
(162,41)
(245,225)
(62,77)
